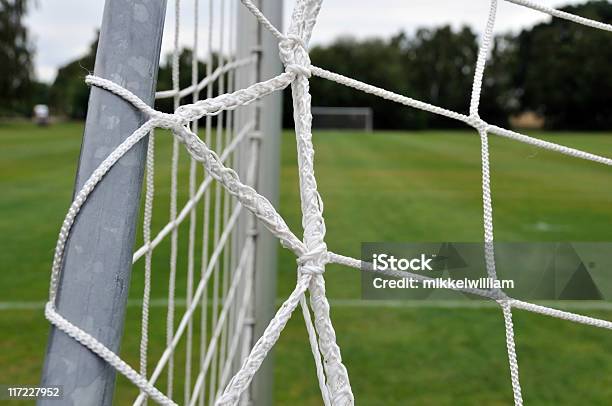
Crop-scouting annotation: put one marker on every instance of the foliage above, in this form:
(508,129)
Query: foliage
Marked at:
(564,70)
(434,65)
(16,72)
(164,77)
(557,69)
(69,94)
(373,61)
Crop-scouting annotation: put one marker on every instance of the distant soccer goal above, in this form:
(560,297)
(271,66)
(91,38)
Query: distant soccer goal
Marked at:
(342,118)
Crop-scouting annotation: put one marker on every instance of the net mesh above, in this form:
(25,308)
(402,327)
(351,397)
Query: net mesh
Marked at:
(223,290)
(229,361)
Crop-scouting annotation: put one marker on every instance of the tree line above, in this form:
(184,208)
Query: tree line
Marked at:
(556,69)
(559,70)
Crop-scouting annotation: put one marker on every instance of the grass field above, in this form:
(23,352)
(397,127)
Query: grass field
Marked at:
(386,186)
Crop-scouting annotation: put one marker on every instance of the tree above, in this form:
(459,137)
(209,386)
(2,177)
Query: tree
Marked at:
(564,70)
(374,61)
(434,65)
(439,63)
(69,94)
(500,94)
(16,72)
(558,69)
(164,77)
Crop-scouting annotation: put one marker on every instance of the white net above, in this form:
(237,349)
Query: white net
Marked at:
(311,251)
(223,289)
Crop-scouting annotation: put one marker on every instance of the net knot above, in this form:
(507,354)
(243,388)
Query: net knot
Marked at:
(298,70)
(478,123)
(293,54)
(169,121)
(313,261)
(499,296)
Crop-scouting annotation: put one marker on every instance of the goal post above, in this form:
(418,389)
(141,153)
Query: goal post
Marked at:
(342,118)
(254,38)
(93,288)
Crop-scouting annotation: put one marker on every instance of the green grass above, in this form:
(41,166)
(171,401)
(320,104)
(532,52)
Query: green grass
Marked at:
(385,186)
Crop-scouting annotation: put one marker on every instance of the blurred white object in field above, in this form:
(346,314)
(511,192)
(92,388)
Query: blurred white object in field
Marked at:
(41,114)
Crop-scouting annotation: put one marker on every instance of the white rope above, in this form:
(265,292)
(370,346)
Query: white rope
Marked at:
(216,337)
(562,14)
(226,85)
(314,347)
(217,208)
(206,210)
(243,378)
(173,199)
(295,57)
(236,338)
(218,329)
(107,355)
(208,80)
(487,203)
(191,203)
(312,252)
(472,121)
(511,349)
(192,213)
(229,259)
(481,61)
(560,314)
(484,143)
(262,19)
(50,310)
(549,145)
(147,218)
(199,291)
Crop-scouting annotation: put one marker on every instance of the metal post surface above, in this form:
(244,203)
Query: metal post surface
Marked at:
(254,38)
(270,123)
(94,284)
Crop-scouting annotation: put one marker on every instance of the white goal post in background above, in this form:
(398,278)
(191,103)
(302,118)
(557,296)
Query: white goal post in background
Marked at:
(89,282)
(342,118)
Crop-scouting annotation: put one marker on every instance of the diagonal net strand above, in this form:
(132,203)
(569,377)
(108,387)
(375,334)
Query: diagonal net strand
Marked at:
(312,254)
(562,14)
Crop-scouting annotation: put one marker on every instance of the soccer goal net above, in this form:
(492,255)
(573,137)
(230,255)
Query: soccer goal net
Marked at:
(230,351)
(342,118)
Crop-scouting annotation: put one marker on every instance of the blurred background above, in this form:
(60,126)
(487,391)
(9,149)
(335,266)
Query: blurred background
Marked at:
(542,73)
(412,176)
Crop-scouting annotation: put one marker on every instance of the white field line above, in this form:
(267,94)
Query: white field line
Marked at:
(41,305)
(359,303)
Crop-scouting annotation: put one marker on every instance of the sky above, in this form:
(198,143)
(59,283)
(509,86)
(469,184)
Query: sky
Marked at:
(61,30)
